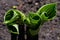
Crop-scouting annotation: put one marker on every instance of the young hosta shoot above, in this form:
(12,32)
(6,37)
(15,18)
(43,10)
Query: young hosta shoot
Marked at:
(13,18)
(45,13)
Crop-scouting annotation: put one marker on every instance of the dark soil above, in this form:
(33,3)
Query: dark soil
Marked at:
(49,31)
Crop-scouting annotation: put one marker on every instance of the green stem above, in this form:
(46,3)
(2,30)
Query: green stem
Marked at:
(30,37)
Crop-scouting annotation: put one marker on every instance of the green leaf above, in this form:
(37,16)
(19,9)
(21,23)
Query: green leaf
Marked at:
(43,17)
(10,16)
(50,10)
(21,15)
(13,28)
(35,20)
(27,21)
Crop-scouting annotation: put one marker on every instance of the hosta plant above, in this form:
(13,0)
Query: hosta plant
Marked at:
(14,17)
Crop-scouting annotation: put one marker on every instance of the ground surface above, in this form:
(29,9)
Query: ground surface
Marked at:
(50,29)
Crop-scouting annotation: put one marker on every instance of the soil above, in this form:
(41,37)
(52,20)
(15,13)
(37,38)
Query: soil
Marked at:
(49,31)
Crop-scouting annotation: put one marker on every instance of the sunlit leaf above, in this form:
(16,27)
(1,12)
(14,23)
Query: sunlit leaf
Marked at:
(50,10)
(13,28)
(10,16)
(34,20)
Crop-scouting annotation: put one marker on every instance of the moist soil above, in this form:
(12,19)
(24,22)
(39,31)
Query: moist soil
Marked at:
(49,31)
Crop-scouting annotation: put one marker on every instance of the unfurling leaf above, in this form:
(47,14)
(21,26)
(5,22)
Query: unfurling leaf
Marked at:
(11,17)
(45,13)
(35,20)
(13,28)
(50,10)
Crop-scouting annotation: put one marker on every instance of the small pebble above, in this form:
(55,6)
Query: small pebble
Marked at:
(58,38)
(36,4)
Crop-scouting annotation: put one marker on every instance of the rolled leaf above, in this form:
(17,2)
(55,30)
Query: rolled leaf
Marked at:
(35,20)
(10,16)
(13,28)
(21,15)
